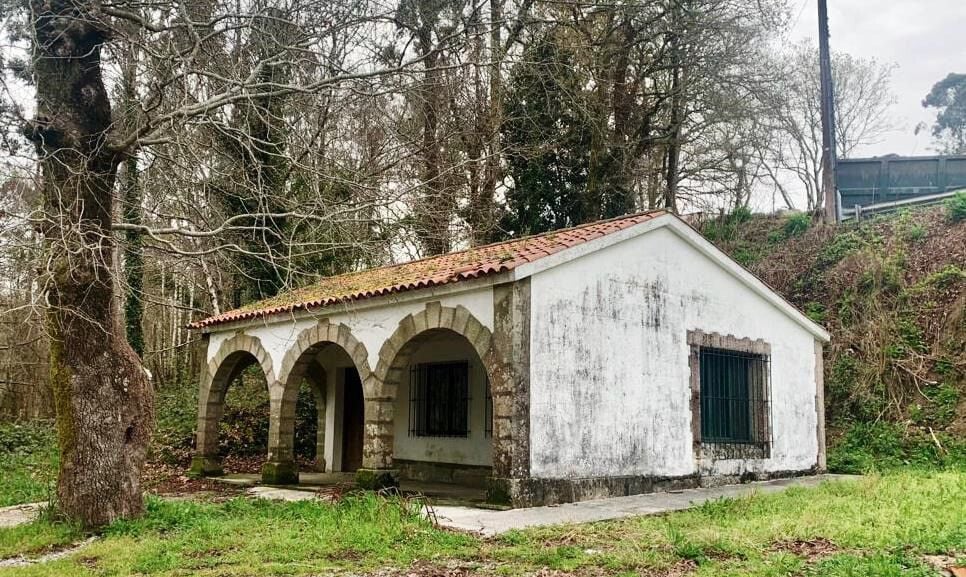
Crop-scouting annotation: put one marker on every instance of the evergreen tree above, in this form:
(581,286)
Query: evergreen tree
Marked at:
(949,97)
(547,139)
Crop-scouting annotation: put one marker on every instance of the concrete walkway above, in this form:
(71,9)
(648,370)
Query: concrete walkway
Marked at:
(19,514)
(488,523)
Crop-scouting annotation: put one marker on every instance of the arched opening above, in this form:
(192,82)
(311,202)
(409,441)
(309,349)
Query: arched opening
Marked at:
(342,423)
(234,407)
(309,443)
(329,420)
(243,426)
(443,414)
(327,361)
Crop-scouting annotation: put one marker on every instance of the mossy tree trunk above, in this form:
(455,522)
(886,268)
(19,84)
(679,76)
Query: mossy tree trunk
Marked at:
(131,186)
(103,399)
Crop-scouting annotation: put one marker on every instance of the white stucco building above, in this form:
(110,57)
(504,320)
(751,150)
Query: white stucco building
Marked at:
(618,357)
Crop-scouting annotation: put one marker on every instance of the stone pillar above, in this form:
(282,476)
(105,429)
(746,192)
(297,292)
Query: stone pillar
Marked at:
(280,469)
(510,387)
(320,409)
(377,470)
(206,461)
(820,460)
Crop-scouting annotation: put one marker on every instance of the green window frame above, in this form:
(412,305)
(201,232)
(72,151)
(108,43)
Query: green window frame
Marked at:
(733,401)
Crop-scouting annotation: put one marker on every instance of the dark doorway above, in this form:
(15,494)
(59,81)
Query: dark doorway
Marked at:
(353,421)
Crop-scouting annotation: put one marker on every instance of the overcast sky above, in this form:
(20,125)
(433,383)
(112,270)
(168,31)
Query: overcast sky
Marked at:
(925,38)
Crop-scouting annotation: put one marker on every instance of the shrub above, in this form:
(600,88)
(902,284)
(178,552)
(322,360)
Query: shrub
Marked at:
(946,277)
(884,446)
(745,257)
(796,225)
(727,227)
(915,232)
(816,311)
(840,247)
(176,415)
(956,207)
(22,439)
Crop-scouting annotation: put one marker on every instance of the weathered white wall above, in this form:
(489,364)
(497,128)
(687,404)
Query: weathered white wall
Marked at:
(610,381)
(371,326)
(474,449)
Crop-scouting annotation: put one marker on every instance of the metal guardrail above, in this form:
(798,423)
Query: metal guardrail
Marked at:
(871,185)
(858,211)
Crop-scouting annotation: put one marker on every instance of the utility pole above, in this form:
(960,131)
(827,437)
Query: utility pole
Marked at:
(829,188)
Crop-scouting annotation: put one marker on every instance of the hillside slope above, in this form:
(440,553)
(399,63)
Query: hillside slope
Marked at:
(892,291)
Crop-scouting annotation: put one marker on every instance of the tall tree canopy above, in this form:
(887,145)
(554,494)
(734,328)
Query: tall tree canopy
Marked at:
(948,96)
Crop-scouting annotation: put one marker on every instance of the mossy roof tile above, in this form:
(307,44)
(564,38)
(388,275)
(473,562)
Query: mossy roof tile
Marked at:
(433,271)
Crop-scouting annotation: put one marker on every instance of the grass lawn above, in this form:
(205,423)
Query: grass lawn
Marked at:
(881,525)
(28,463)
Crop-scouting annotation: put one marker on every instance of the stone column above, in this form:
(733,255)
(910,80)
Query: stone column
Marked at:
(377,470)
(206,461)
(317,378)
(510,387)
(281,469)
(820,461)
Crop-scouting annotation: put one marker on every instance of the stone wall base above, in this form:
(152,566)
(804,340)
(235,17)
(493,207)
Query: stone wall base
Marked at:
(377,479)
(532,492)
(280,473)
(205,466)
(465,475)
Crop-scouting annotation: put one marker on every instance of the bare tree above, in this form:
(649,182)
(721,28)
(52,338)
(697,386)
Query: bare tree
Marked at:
(863,99)
(208,63)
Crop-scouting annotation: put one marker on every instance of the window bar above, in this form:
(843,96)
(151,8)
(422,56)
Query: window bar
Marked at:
(439,400)
(735,403)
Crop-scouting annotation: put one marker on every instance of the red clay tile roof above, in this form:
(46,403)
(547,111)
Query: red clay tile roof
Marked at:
(429,272)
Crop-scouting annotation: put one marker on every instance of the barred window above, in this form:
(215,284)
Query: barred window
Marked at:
(439,400)
(734,400)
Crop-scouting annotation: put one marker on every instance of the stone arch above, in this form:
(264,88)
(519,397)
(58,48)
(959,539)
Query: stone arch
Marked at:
(295,368)
(233,356)
(381,390)
(323,333)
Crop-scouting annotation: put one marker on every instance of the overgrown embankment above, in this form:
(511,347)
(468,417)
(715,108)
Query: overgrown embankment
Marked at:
(892,292)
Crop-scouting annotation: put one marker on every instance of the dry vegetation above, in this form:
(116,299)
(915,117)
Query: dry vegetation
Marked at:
(892,291)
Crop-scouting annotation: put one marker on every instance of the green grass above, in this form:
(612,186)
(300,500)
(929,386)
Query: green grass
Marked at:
(28,460)
(244,537)
(885,446)
(880,525)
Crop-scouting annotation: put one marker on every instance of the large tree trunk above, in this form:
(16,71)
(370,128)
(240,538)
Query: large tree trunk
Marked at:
(103,399)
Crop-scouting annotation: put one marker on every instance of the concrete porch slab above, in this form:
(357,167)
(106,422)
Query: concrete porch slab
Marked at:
(442,493)
(307,479)
(489,523)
